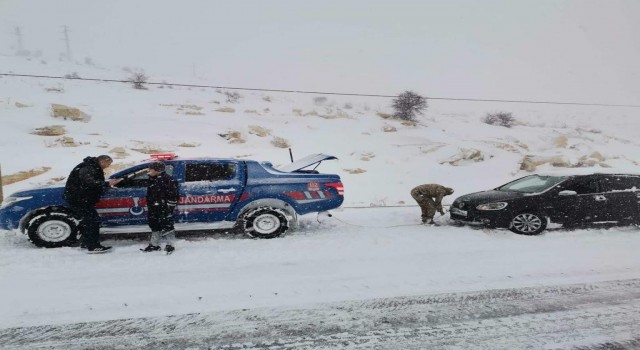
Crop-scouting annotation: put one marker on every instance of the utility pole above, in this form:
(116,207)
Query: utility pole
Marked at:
(1,195)
(66,39)
(18,33)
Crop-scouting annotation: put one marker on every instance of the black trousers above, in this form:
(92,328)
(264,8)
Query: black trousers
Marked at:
(160,218)
(89,224)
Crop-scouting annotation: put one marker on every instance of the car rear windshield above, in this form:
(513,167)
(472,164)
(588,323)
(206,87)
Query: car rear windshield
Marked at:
(532,184)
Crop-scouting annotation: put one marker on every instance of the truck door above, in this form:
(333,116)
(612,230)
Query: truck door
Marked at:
(211,188)
(126,203)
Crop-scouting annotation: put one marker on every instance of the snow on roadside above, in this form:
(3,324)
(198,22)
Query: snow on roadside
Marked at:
(357,254)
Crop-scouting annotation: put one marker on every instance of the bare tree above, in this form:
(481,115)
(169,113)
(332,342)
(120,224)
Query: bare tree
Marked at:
(408,104)
(138,79)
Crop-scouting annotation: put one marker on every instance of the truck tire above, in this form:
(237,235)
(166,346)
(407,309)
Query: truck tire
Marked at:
(52,230)
(265,222)
(528,223)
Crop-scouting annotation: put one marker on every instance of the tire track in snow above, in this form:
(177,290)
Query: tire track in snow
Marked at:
(588,316)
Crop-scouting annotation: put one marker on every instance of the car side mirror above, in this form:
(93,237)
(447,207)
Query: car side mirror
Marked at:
(567,193)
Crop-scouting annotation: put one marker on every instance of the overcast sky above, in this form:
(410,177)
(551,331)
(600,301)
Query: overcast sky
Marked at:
(582,50)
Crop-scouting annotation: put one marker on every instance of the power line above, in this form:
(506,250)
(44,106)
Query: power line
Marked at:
(319,92)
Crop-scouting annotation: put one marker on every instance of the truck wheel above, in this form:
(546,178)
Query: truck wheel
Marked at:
(265,222)
(53,230)
(529,224)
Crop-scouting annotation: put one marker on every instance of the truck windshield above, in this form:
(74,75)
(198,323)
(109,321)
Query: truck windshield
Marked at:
(532,184)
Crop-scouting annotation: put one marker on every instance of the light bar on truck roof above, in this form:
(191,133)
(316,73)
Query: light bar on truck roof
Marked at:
(163,156)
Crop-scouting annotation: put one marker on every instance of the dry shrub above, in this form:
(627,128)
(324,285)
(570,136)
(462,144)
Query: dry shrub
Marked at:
(190,109)
(149,149)
(66,112)
(389,128)
(232,96)
(251,111)
(337,115)
(505,119)
(64,141)
(233,136)
(23,175)
(53,130)
(561,141)
(355,171)
(120,152)
(311,114)
(319,101)
(384,115)
(367,156)
(297,112)
(20,105)
(280,142)
(226,110)
(465,156)
(431,148)
(530,163)
(138,79)
(187,144)
(259,131)
(56,180)
(507,146)
(597,155)
(59,89)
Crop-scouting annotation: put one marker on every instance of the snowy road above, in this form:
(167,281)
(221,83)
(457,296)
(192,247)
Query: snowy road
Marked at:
(602,315)
(362,279)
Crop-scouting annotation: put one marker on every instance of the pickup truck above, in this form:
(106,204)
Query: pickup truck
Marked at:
(215,194)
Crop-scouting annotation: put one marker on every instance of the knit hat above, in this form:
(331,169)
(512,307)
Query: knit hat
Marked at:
(157,166)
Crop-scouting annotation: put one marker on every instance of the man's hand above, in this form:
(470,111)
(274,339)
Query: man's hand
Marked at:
(113,182)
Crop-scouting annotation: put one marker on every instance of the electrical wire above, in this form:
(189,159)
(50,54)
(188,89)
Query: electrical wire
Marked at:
(318,92)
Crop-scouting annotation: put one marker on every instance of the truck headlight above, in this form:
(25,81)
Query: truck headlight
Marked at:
(10,200)
(492,206)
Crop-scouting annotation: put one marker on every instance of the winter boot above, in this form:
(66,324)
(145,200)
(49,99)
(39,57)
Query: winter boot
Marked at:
(169,249)
(150,248)
(99,249)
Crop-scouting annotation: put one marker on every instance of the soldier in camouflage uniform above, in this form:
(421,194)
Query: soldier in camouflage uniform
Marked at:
(429,197)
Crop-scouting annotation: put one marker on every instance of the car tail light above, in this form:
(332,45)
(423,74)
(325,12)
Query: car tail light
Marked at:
(338,186)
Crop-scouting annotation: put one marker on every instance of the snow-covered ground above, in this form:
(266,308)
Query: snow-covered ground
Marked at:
(357,254)
(373,247)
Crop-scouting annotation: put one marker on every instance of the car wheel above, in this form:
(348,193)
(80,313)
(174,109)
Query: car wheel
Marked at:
(265,222)
(53,230)
(528,224)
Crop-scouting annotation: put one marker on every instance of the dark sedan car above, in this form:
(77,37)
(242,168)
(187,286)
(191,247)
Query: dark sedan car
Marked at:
(527,205)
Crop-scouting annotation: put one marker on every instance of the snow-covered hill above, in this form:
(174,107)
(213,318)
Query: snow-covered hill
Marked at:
(380,158)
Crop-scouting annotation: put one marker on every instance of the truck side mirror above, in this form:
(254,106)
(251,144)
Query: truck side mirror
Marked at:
(567,193)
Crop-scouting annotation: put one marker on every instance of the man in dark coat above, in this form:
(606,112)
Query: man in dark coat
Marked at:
(82,191)
(162,198)
(429,198)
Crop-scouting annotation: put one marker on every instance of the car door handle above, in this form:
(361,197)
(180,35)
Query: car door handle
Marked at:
(226,190)
(599,198)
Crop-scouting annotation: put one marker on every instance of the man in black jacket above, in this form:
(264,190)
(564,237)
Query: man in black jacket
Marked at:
(82,191)
(162,198)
